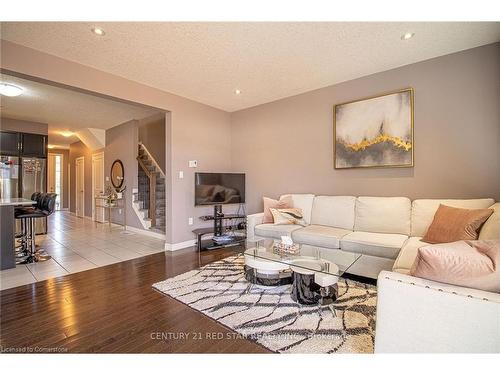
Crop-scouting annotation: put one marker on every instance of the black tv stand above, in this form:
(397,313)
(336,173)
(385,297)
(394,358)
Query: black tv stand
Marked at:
(218,229)
(218,217)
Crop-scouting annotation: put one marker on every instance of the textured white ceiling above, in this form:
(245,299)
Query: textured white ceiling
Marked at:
(267,61)
(66,110)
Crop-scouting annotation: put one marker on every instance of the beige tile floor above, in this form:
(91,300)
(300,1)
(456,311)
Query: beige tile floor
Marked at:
(75,245)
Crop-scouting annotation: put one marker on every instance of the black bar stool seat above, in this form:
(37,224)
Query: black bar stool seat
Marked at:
(45,206)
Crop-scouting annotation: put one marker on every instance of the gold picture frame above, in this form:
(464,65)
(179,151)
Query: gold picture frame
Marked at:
(356,155)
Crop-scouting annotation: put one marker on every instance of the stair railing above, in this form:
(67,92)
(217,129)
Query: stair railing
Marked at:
(153,160)
(152,190)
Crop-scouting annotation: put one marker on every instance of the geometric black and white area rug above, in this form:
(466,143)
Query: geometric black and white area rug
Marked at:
(269,316)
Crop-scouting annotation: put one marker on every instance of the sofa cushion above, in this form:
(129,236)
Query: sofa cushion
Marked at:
(384,245)
(383,215)
(273,203)
(287,216)
(407,255)
(334,211)
(320,235)
(304,202)
(471,264)
(491,229)
(452,224)
(423,210)
(275,231)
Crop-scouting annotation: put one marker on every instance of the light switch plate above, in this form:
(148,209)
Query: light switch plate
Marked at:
(190,221)
(181,174)
(193,163)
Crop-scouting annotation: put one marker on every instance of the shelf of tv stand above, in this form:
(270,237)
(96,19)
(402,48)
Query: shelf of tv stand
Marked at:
(201,231)
(228,217)
(209,244)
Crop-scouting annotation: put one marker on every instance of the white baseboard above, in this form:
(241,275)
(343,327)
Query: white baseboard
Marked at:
(146,232)
(179,245)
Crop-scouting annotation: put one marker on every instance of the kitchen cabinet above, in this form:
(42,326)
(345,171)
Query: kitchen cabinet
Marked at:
(9,143)
(34,145)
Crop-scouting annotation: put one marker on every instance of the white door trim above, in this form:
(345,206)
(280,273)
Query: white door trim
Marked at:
(61,196)
(97,155)
(82,158)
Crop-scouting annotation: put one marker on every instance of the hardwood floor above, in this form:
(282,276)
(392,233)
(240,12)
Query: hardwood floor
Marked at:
(114,309)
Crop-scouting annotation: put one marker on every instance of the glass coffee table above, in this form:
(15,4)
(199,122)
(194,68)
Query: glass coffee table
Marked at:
(313,271)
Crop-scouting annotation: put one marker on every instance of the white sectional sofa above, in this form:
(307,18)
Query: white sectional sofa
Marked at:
(413,314)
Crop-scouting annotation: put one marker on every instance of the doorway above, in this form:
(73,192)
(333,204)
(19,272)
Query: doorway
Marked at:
(97,185)
(55,177)
(80,186)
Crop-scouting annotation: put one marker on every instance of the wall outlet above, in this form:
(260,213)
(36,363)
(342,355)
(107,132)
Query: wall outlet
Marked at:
(181,174)
(190,221)
(107,178)
(193,163)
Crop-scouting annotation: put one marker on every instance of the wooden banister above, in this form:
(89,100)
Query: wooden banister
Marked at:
(145,149)
(152,191)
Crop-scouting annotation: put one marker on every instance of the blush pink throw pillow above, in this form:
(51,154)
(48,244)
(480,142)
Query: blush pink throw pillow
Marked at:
(471,264)
(285,202)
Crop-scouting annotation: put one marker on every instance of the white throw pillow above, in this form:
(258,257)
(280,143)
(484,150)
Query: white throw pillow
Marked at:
(287,216)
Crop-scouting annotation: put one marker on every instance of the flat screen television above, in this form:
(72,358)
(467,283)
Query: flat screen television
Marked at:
(219,188)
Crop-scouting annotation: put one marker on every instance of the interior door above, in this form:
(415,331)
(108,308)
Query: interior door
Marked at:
(55,177)
(80,188)
(51,174)
(97,185)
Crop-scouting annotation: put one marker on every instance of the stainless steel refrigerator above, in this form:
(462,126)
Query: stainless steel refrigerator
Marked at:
(9,177)
(21,177)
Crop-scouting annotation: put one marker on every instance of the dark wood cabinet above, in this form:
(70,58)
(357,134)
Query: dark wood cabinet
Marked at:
(34,145)
(9,143)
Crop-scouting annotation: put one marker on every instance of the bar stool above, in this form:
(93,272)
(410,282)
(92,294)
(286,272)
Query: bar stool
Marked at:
(21,249)
(45,207)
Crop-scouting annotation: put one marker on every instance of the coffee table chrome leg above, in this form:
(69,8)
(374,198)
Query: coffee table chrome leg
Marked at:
(250,287)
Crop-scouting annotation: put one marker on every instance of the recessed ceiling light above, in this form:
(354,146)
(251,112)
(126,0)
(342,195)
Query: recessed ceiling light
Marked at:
(98,31)
(407,36)
(10,90)
(66,133)
(237,91)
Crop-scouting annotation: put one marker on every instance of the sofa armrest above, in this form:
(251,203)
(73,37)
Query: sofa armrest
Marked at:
(415,315)
(252,221)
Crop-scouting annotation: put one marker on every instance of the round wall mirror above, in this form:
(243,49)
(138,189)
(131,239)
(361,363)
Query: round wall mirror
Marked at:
(117,174)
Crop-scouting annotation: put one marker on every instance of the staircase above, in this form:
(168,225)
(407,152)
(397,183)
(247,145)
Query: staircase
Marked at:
(150,196)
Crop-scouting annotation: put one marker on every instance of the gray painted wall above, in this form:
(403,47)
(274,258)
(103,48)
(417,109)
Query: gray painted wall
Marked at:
(287,145)
(121,144)
(152,135)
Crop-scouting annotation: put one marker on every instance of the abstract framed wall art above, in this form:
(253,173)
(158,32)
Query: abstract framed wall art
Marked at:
(375,131)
